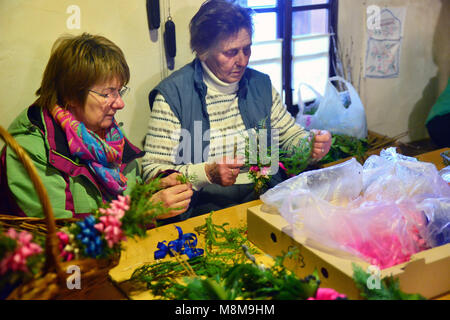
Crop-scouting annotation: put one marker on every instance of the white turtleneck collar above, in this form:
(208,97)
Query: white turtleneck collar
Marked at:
(214,83)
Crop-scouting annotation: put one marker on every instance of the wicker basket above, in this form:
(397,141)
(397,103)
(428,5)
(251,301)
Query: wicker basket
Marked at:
(51,283)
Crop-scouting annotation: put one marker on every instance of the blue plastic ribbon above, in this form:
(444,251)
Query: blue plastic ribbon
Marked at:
(185,244)
(90,237)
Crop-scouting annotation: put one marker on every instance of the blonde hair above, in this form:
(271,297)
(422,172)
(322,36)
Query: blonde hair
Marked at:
(76,64)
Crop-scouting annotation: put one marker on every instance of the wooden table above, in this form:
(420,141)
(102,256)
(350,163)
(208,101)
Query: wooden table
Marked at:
(434,157)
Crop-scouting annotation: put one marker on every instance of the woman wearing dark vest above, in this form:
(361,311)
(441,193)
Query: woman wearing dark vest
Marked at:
(202,113)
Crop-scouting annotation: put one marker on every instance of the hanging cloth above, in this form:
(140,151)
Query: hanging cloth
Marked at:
(153,16)
(170,41)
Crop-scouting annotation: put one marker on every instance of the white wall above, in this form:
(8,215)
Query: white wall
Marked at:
(28,29)
(397,105)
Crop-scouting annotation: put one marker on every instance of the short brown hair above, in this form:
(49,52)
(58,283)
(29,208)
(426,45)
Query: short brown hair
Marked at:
(76,64)
(216,20)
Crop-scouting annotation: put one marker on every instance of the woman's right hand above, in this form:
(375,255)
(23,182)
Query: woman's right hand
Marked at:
(176,197)
(224,172)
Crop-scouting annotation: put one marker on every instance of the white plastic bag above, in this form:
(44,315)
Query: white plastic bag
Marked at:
(331,113)
(338,185)
(394,177)
(304,118)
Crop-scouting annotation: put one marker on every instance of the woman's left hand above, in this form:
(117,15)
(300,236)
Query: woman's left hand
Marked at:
(322,143)
(177,198)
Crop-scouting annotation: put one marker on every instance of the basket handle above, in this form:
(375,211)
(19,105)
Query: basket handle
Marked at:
(51,244)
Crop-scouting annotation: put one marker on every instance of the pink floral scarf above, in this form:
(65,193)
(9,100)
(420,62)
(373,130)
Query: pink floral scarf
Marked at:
(103,156)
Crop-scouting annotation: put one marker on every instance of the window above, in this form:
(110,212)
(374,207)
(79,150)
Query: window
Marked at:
(291,43)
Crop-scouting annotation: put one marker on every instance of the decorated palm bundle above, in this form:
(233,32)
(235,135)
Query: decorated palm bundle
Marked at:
(259,158)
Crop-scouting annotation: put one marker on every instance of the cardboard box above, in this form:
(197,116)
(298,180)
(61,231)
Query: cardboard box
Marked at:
(427,272)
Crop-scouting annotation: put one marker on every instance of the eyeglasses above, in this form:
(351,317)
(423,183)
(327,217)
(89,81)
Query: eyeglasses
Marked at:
(111,97)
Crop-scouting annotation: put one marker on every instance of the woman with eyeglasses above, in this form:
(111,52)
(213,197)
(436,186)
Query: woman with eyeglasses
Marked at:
(73,139)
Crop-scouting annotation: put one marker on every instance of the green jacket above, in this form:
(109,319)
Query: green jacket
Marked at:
(442,105)
(72,188)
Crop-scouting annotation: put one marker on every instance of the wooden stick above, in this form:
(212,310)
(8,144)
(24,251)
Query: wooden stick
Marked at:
(184,263)
(391,140)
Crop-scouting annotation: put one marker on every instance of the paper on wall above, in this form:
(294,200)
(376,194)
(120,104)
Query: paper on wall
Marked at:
(384,42)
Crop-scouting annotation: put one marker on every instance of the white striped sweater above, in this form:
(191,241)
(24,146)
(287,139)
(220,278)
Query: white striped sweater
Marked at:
(226,125)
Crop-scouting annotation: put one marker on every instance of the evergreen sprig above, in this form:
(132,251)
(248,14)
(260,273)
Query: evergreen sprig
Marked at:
(6,244)
(258,172)
(249,281)
(187,178)
(298,159)
(389,287)
(227,240)
(143,211)
(343,146)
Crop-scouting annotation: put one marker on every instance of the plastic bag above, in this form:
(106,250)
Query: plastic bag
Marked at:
(332,113)
(445,174)
(339,184)
(305,116)
(392,176)
(382,212)
(437,211)
(395,177)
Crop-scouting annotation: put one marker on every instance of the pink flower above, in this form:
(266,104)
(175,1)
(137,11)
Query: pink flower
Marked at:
(64,246)
(265,171)
(117,207)
(111,227)
(284,168)
(327,294)
(308,122)
(17,260)
(254,169)
(110,223)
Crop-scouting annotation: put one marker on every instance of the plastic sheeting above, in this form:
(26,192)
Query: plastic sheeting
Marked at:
(384,211)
